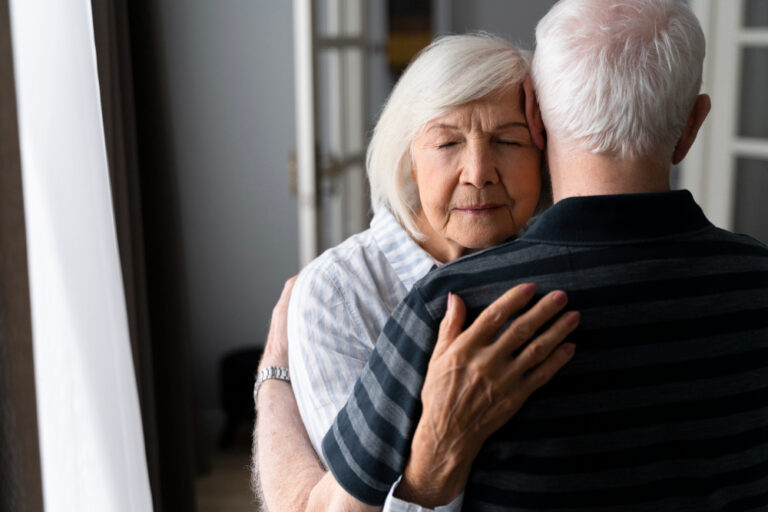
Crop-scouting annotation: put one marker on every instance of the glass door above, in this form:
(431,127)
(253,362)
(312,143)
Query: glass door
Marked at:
(728,167)
(332,50)
(750,211)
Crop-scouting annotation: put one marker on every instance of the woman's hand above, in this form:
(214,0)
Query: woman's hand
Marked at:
(474,385)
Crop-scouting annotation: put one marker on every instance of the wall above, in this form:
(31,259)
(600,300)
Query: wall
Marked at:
(230,73)
(514,20)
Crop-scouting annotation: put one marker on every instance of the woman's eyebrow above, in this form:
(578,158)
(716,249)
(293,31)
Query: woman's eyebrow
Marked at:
(442,126)
(512,124)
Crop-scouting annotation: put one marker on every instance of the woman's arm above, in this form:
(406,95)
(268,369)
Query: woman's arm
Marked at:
(279,438)
(281,445)
(291,476)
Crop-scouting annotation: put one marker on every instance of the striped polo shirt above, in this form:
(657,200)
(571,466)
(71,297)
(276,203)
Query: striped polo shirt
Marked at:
(664,406)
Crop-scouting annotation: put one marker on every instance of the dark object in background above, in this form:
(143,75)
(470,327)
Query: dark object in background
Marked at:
(410,30)
(236,374)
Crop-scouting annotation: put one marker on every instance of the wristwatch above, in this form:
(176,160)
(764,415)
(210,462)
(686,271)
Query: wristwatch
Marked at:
(270,372)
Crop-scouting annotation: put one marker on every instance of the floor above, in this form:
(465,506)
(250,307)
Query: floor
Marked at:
(227,487)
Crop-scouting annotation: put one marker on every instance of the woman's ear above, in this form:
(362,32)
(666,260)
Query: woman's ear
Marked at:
(533,114)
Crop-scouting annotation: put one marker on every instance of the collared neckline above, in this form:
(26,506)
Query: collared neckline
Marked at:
(409,261)
(616,219)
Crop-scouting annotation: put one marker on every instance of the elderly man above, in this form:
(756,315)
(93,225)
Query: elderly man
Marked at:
(665,404)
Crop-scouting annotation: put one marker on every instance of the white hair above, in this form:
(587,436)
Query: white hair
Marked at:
(450,72)
(618,77)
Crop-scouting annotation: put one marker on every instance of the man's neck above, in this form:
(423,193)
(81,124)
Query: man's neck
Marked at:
(580,173)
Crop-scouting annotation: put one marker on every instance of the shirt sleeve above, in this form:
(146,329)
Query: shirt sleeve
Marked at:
(326,349)
(369,441)
(393,504)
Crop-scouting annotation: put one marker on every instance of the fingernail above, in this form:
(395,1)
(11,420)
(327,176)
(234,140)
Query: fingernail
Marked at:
(569,348)
(529,289)
(450,300)
(560,298)
(573,318)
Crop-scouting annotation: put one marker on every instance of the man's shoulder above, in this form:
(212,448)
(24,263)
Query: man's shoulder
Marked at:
(718,242)
(459,269)
(484,275)
(740,238)
(516,255)
(494,270)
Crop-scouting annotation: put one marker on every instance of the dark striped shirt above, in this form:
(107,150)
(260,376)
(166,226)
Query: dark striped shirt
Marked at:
(663,407)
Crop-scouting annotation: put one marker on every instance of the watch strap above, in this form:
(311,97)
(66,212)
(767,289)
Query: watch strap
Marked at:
(270,372)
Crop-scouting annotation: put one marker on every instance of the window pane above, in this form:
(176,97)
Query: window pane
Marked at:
(753,120)
(352,18)
(322,18)
(751,208)
(756,13)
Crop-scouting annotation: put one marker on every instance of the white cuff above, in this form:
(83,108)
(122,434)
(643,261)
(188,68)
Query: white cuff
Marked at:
(393,504)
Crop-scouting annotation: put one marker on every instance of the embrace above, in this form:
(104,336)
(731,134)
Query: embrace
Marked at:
(534,320)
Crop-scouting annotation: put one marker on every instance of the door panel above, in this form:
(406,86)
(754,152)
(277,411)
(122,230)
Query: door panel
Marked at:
(339,54)
(756,13)
(753,99)
(726,167)
(750,206)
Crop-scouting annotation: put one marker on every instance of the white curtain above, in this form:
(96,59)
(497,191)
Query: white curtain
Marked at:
(91,442)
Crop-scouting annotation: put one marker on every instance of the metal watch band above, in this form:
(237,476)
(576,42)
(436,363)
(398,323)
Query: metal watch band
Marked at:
(270,372)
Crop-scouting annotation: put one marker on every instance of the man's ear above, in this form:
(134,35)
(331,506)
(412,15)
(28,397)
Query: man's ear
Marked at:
(533,114)
(699,113)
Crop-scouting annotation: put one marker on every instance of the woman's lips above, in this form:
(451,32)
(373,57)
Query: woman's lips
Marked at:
(481,209)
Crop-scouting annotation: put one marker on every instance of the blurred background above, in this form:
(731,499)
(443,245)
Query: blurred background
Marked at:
(235,135)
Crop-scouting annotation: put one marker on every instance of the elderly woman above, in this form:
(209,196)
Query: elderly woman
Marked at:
(453,169)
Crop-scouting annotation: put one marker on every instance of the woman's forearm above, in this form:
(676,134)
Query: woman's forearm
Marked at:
(287,472)
(291,477)
(288,468)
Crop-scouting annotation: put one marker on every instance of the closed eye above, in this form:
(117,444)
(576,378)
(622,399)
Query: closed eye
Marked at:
(508,142)
(446,145)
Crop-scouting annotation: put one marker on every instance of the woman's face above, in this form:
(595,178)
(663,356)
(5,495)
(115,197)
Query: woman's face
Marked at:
(477,173)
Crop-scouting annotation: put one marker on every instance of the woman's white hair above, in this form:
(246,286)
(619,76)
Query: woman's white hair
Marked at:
(450,72)
(618,77)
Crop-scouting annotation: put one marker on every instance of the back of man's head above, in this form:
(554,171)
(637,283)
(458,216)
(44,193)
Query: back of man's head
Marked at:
(618,77)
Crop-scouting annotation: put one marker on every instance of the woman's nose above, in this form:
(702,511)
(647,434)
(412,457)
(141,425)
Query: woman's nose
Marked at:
(479,168)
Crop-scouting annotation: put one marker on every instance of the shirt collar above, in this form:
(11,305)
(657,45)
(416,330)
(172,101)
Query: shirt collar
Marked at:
(409,261)
(624,218)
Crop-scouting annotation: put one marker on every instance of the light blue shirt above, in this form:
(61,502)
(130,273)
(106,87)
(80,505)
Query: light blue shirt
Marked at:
(338,308)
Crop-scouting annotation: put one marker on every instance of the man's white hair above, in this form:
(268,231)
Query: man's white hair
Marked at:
(450,72)
(618,77)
